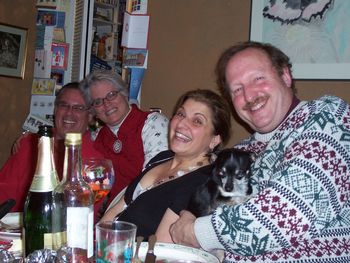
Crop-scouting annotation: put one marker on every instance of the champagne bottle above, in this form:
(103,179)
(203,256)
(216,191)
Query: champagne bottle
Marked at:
(73,202)
(37,220)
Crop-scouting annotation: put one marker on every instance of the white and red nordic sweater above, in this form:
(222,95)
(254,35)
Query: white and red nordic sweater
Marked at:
(301,211)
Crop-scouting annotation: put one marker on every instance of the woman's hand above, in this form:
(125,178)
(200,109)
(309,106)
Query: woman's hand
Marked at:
(182,231)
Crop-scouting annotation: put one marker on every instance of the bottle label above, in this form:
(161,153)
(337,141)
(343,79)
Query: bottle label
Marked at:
(91,234)
(42,183)
(80,228)
(59,239)
(24,238)
(48,240)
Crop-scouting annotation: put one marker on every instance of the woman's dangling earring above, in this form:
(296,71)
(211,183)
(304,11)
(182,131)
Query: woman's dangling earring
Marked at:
(212,156)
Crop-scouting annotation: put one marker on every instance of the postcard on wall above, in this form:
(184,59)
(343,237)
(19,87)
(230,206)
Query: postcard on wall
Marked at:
(44,35)
(50,18)
(47,4)
(59,55)
(135,58)
(33,122)
(42,63)
(42,105)
(137,6)
(43,86)
(58,76)
(135,31)
(59,35)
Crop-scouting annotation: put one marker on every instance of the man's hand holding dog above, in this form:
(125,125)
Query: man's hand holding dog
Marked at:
(182,231)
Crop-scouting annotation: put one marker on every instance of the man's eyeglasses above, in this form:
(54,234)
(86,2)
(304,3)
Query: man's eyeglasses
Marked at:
(109,97)
(75,108)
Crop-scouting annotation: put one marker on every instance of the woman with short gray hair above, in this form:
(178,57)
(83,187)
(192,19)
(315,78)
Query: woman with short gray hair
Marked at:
(130,137)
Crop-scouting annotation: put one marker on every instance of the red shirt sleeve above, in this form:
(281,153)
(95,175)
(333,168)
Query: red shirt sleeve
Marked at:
(17,173)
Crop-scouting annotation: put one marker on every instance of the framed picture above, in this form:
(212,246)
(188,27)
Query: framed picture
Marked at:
(59,55)
(314,34)
(13,50)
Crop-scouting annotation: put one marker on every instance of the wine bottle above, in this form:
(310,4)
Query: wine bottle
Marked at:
(37,216)
(73,202)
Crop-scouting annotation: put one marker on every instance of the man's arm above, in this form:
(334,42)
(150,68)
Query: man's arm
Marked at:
(17,173)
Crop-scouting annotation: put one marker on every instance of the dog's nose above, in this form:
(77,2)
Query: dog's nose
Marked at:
(228,187)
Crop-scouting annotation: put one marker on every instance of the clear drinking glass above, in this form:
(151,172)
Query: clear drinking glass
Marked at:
(115,241)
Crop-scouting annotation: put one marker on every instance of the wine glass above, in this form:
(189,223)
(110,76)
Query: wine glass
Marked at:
(99,174)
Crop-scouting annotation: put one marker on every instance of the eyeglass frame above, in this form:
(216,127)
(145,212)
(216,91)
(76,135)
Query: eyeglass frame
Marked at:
(78,108)
(109,97)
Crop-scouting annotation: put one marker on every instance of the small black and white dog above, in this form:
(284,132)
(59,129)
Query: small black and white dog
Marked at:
(230,183)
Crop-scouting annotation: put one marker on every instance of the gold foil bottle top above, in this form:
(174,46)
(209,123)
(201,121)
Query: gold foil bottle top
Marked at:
(45,177)
(73,139)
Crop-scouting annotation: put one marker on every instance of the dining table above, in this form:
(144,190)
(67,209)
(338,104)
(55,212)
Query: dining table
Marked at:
(11,240)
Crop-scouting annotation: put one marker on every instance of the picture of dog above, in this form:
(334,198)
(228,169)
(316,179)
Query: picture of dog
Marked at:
(230,183)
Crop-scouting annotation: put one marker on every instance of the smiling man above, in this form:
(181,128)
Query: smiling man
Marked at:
(300,209)
(71,111)
(71,115)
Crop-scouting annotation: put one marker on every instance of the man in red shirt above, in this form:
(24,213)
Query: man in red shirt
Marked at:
(71,115)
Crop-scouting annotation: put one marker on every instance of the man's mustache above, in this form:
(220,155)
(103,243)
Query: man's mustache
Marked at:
(251,104)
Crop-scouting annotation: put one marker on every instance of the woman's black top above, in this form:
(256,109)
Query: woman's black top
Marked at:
(147,210)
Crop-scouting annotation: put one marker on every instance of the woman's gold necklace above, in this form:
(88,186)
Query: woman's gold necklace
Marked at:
(178,174)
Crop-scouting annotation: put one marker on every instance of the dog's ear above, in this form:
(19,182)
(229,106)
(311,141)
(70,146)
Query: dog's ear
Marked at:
(215,176)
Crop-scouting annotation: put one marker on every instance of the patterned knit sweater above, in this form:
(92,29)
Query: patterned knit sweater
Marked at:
(301,209)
